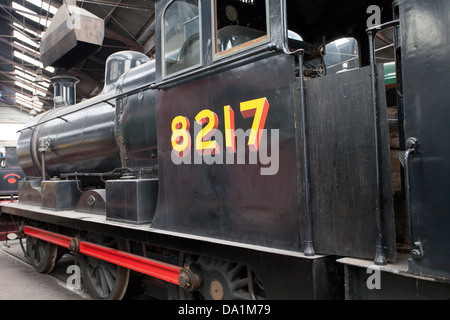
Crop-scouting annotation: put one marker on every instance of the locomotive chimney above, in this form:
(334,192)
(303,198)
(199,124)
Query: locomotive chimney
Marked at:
(65,90)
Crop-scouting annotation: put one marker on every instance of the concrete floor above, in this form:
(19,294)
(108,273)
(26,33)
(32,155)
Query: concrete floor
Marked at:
(20,281)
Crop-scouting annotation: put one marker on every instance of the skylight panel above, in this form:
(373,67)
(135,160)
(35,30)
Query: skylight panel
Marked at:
(44,84)
(31,105)
(43,5)
(19,36)
(32,61)
(19,26)
(28,88)
(26,58)
(25,47)
(30,82)
(27,13)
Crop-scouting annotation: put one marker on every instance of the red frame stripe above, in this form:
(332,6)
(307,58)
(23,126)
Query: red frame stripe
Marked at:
(48,236)
(154,268)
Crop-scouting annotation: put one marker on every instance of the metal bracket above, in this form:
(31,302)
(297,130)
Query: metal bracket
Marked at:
(45,145)
(417,252)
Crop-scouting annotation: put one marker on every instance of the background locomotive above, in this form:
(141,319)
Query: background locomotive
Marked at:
(10,174)
(234,167)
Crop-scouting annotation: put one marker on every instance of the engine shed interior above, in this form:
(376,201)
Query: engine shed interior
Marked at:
(232,143)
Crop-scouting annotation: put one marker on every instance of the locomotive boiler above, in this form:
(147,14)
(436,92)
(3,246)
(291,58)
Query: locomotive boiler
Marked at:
(242,163)
(85,137)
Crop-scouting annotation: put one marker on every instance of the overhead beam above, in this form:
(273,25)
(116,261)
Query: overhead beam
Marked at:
(26,93)
(109,16)
(133,45)
(6,7)
(13,104)
(147,30)
(149,46)
(18,79)
(32,25)
(25,67)
(47,103)
(146,36)
(20,48)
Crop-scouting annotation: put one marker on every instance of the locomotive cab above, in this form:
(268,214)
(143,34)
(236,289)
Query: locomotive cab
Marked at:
(314,63)
(240,48)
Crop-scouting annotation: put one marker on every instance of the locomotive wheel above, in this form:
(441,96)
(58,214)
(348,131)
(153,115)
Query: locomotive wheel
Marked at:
(223,280)
(104,280)
(41,254)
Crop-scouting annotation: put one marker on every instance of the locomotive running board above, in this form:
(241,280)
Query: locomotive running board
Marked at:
(315,270)
(154,268)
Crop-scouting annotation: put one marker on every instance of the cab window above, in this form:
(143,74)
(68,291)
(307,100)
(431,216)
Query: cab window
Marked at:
(181,40)
(239,24)
(341,55)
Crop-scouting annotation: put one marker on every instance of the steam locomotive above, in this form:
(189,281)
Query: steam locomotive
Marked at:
(252,158)
(10,174)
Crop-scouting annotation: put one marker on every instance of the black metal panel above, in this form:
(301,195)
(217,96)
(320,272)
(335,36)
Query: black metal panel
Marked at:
(233,201)
(291,278)
(60,194)
(135,125)
(341,155)
(425,54)
(391,286)
(30,192)
(131,200)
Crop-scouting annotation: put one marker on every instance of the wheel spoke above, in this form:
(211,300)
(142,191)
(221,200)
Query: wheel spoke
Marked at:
(111,268)
(237,271)
(109,276)
(104,280)
(41,254)
(240,283)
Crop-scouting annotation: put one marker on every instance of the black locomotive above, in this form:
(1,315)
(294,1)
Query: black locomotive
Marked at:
(246,162)
(10,174)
